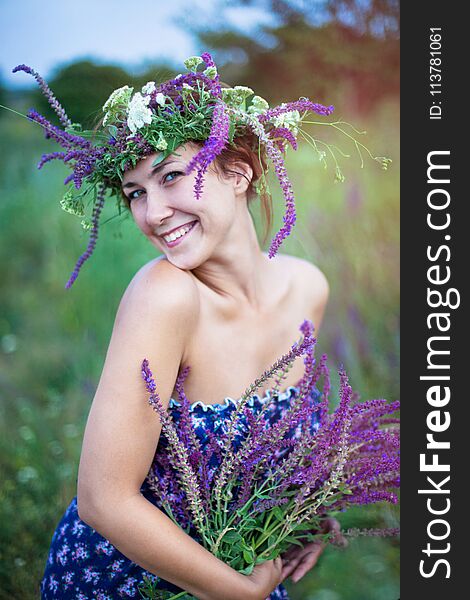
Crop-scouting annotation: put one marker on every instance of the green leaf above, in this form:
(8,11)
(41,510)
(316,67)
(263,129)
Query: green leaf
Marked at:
(89,134)
(272,540)
(159,158)
(247,570)
(278,513)
(311,537)
(260,529)
(248,556)
(231,131)
(293,540)
(232,536)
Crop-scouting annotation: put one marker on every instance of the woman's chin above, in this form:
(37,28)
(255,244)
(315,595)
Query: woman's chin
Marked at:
(185,263)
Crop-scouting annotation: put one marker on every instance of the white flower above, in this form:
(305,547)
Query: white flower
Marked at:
(244,91)
(160,99)
(120,96)
(73,207)
(138,113)
(289,119)
(258,106)
(193,62)
(236,96)
(148,88)
(210,72)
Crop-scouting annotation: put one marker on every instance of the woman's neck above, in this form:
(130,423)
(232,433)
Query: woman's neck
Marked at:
(237,270)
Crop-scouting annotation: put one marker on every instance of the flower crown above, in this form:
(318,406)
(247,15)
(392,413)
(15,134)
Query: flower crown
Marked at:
(191,107)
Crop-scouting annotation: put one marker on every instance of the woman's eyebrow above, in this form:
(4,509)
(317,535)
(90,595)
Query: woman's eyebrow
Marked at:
(154,170)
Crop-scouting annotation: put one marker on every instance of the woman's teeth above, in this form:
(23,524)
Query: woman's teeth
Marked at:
(179,232)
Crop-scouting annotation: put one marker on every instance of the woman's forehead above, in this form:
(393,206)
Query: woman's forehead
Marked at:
(145,165)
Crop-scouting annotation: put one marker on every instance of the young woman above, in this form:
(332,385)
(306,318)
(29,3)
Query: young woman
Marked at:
(213,301)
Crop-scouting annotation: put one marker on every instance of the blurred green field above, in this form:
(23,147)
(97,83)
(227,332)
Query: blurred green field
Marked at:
(53,341)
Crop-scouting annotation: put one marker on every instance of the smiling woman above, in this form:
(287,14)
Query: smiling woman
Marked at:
(187,157)
(245,149)
(189,232)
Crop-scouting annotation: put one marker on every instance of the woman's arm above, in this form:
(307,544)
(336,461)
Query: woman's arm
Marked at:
(147,536)
(156,317)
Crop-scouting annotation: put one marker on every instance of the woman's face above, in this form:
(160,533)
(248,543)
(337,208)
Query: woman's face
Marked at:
(163,205)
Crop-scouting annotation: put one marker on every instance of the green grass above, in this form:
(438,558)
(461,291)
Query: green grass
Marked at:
(53,341)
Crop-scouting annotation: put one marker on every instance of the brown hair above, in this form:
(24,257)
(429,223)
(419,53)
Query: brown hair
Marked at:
(245,149)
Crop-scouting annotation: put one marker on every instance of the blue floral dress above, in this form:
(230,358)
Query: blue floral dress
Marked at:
(83,565)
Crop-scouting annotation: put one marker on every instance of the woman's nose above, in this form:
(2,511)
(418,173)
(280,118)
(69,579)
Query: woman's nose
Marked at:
(158,210)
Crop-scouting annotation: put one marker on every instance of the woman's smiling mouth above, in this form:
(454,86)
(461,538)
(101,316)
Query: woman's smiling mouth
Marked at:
(175,237)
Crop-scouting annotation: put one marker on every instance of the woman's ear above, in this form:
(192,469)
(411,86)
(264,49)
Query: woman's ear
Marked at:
(241,174)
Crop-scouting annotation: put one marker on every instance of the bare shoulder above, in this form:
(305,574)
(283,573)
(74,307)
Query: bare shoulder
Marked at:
(312,284)
(308,275)
(159,285)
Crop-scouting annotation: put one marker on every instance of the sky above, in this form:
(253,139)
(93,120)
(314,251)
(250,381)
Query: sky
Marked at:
(45,34)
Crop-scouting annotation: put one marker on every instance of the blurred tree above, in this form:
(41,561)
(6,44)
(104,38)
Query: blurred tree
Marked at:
(370,17)
(327,50)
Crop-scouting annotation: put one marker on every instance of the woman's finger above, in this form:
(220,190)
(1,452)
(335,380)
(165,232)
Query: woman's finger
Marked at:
(332,525)
(289,567)
(307,562)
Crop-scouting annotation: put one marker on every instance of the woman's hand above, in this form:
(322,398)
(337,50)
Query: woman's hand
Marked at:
(298,561)
(264,578)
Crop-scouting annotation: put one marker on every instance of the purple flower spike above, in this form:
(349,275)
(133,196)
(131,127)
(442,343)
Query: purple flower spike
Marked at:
(66,122)
(209,62)
(300,105)
(275,156)
(284,134)
(207,58)
(66,140)
(213,146)
(93,237)
(210,85)
(45,158)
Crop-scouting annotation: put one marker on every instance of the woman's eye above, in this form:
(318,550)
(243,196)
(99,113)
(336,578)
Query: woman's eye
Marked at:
(171,176)
(167,178)
(132,195)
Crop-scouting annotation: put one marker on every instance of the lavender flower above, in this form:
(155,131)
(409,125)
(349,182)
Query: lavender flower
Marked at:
(280,135)
(213,146)
(269,482)
(66,122)
(93,236)
(277,159)
(65,139)
(179,452)
(304,104)
(177,85)
(387,532)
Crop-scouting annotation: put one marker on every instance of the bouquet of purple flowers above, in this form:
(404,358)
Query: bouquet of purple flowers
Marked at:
(258,487)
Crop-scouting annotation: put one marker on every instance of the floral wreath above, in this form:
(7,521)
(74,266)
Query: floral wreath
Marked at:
(191,107)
